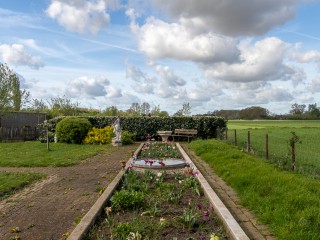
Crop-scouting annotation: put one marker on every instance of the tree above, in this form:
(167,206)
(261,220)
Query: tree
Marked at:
(63,106)
(111,111)
(297,109)
(313,111)
(38,105)
(185,111)
(11,96)
(254,112)
(145,108)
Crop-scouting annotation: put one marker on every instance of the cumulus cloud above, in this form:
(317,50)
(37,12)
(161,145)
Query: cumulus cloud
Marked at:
(79,16)
(231,17)
(88,87)
(113,92)
(306,57)
(144,84)
(261,96)
(158,39)
(314,87)
(168,77)
(261,61)
(17,55)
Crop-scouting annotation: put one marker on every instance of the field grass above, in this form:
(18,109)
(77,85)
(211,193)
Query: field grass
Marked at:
(10,182)
(289,203)
(35,154)
(252,124)
(279,133)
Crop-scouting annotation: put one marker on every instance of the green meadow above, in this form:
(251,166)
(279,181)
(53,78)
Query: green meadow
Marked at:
(279,132)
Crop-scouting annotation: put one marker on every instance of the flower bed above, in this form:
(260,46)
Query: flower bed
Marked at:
(158,205)
(159,150)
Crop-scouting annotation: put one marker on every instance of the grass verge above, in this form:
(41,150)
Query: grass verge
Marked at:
(11,182)
(35,154)
(289,203)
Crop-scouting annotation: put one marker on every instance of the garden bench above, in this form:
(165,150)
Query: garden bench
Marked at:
(188,133)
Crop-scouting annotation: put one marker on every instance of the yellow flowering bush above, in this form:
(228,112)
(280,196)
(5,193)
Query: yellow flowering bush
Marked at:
(99,135)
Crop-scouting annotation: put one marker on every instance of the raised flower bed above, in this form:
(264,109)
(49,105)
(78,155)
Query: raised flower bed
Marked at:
(157,204)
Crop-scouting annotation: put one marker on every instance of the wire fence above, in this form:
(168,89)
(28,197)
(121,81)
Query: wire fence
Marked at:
(295,149)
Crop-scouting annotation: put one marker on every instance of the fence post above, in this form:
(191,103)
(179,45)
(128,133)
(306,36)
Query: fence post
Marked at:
(248,142)
(48,144)
(267,146)
(235,137)
(293,152)
(227,134)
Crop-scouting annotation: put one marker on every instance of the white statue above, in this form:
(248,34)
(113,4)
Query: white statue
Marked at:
(117,131)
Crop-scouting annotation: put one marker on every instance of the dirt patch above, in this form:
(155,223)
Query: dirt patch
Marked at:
(51,208)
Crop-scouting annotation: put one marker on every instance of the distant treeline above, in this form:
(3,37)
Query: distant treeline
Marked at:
(297,112)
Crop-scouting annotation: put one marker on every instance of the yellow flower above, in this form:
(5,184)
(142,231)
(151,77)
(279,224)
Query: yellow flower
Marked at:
(214,237)
(162,220)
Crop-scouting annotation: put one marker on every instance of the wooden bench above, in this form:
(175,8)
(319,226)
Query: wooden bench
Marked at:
(188,133)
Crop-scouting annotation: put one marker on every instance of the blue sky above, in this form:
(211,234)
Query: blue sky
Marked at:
(213,54)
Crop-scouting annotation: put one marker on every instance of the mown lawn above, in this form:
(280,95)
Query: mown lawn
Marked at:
(35,154)
(289,203)
(10,182)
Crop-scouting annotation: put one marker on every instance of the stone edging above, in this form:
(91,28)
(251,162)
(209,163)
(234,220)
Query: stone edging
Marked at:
(232,226)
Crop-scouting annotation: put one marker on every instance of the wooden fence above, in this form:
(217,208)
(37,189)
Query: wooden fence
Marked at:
(16,134)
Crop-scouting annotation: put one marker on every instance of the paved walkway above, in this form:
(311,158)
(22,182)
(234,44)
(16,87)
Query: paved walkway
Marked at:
(228,196)
(50,209)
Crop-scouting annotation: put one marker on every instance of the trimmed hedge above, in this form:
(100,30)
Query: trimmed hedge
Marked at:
(207,126)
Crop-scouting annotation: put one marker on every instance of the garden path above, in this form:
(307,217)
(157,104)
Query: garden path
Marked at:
(50,208)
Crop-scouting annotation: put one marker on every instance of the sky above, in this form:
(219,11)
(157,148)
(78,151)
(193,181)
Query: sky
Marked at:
(212,54)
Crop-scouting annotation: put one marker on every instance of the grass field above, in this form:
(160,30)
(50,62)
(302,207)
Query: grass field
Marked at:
(252,124)
(279,133)
(10,182)
(289,203)
(35,154)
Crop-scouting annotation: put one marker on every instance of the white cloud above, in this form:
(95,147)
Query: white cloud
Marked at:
(168,77)
(158,39)
(88,87)
(306,57)
(79,16)
(262,61)
(231,17)
(315,85)
(144,84)
(16,54)
(113,92)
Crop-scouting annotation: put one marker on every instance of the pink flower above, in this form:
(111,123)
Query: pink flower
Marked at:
(206,213)
(199,206)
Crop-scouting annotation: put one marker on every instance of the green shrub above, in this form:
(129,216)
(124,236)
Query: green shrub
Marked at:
(127,137)
(72,129)
(127,200)
(99,135)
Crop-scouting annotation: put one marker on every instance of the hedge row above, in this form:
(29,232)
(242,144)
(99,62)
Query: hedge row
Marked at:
(208,127)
